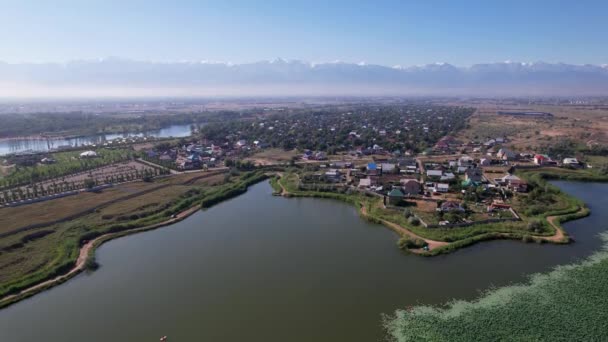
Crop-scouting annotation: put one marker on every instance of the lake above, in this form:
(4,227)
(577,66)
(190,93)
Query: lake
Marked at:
(41,145)
(265,268)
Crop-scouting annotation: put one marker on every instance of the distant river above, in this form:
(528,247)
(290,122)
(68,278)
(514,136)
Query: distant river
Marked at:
(40,145)
(260,268)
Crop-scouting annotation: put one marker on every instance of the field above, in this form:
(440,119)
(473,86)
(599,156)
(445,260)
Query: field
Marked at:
(567,304)
(65,163)
(35,254)
(584,126)
(272,156)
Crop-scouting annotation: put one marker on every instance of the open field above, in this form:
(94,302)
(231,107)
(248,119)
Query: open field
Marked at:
(272,156)
(37,213)
(114,173)
(28,257)
(584,126)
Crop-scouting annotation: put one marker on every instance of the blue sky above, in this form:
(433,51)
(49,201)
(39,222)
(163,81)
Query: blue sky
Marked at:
(407,33)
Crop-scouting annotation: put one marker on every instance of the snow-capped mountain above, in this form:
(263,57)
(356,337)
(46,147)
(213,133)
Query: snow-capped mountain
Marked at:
(293,76)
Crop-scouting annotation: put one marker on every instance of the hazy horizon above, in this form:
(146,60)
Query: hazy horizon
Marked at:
(388,48)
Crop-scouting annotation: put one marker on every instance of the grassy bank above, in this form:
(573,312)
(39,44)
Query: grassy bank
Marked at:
(567,304)
(554,203)
(55,253)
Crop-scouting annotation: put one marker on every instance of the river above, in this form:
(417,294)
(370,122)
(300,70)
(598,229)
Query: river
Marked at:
(265,268)
(41,145)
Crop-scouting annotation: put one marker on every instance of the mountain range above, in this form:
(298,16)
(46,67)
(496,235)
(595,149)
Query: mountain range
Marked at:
(123,77)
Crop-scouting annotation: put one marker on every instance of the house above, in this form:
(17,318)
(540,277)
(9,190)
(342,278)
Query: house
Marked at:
(442,187)
(540,159)
(333,175)
(88,154)
(506,154)
(410,186)
(387,167)
(518,186)
(365,182)
(462,169)
(448,176)
(485,162)
(320,155)
(571,162)
(465,161)
(342,165)
(434,173)
(474,175)
(395,196)
(505,180)
(490,143)
(372,169)
(241,143)
(451,206)
(498,206)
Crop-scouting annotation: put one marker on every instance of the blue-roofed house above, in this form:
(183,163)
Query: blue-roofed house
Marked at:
(372,169)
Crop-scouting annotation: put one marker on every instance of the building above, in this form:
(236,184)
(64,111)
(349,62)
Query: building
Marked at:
(388,168)
(410,186)
(395,196)
(465,161)
(451,206)
(333,175)
(571,162)
(518,186)
(485,162)
(434,173)
(365,182)
(372,169)
(442,187)
(448,176)
(506,154)
(474,175)
(540,159)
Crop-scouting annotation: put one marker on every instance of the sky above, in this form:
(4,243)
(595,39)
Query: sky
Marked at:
(403,32)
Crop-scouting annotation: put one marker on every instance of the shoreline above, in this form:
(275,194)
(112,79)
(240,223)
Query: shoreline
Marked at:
(87,251)
(560,236)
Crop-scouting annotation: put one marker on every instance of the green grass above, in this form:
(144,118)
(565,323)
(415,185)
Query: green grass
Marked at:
(24,262)
(567,304)
(66,163)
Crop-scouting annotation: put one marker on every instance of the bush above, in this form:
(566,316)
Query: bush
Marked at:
(407,242)
(527,239)
(407,213)
(534,225)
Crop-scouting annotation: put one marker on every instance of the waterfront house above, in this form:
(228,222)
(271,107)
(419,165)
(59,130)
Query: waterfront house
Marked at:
(572,162)
(395,196)
(541,159)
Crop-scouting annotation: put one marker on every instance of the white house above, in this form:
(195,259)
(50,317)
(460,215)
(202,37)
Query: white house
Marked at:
(442,187)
